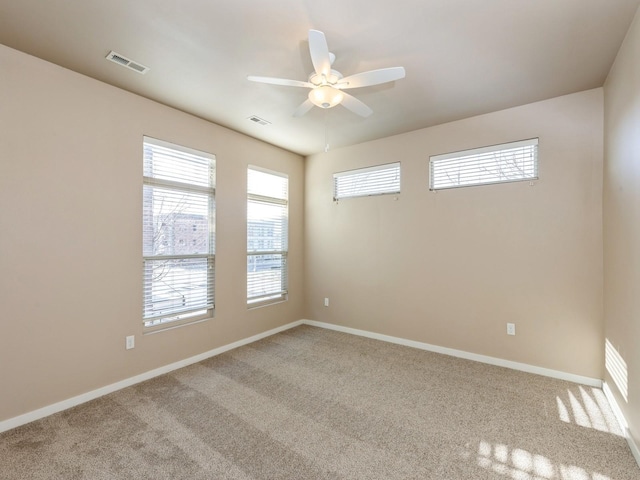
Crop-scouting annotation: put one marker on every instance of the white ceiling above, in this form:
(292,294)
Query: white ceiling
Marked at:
(462,57)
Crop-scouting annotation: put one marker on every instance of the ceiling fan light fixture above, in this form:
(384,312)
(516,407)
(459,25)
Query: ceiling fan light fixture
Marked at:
(326,84)
(325,96)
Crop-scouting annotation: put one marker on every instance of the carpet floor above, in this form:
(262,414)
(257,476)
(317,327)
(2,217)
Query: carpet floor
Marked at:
(311,403)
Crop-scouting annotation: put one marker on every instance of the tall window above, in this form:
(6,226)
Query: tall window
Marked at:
(267,236)
(178,234)
(509,162)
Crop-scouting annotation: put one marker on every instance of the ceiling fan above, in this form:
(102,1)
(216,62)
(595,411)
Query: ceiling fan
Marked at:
(328,85)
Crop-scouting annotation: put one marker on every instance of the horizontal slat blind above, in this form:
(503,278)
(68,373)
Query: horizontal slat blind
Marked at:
(266,227)
(508,162)
(266,277)
(174,286)
(164,162)
(267,184)
(267,236)
(378,180)
(177,222)
(178,233)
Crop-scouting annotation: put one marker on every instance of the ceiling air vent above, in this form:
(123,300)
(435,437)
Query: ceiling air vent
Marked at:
(258,120)
(125,62)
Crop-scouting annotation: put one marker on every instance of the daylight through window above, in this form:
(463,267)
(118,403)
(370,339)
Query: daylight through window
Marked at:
(267,236)
(509,162)
(178,233)
(363,182)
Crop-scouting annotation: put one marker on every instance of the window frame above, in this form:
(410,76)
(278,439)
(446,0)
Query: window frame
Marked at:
(175,319)
(283,294)
(363,172)
(465,157)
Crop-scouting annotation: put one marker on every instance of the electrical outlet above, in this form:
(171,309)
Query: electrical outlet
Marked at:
(511,328)
(130,342)
(326,302)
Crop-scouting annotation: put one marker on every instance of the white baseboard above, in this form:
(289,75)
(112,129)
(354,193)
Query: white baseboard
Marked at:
(624,425)
(592,382)
(85,397)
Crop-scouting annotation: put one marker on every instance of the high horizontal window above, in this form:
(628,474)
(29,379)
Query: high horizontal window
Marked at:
(509,162)
(267,236)
(178,234)
(378,180)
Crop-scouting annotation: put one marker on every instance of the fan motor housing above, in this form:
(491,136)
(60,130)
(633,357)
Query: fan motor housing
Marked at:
(320,79)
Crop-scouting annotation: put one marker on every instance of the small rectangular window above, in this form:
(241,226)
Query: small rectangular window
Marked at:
(178,234)
(267,236)
(509,162)
(378,180)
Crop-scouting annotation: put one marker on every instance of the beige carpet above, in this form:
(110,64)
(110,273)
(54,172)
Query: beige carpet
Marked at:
(312,404)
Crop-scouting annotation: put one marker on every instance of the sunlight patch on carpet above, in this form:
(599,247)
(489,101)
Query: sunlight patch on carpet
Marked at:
(587,410)
(519,464)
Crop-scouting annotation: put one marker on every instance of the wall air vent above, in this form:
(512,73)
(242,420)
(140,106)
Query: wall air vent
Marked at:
(125,62)
(258,120)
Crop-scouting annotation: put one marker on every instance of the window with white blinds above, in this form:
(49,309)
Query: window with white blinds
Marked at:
(378,180)
(509,162)
(267,236)
(178,234)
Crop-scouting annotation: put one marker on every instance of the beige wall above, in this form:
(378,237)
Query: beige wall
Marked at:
(448,268)
(452,268)
(622,220)
(70,234)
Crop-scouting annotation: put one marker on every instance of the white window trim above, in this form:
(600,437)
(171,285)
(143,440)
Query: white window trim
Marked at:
(435,159)
(283,295)
(363,171)
(198,315)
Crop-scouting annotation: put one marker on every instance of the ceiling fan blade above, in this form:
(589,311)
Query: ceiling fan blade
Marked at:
(280,81)
(319,51)
(372,77)
(303,108)
(355,105)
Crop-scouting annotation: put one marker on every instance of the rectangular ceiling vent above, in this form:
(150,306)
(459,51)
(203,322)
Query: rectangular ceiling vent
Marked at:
(126,62)
(258,120)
